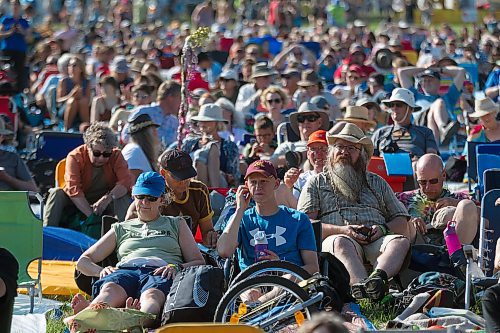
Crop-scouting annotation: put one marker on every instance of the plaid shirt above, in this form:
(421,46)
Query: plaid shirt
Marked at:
(377,203)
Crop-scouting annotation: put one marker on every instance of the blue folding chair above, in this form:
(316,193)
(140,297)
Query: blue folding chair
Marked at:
(488,157)
(56,145)
(489,230)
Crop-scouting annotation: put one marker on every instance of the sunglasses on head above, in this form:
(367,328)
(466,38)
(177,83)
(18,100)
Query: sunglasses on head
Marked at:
(275,100)
(147,197)
(309,117)
(105,154)
(423,182)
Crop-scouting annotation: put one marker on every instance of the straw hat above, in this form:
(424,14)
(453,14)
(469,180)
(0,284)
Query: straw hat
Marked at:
(261,69)
(210,112)
(483,107)
(354,134)
(357,114)
(307,108)
(402,95)
(309,78)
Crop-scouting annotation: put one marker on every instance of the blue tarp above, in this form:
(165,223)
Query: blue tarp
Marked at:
(64,244)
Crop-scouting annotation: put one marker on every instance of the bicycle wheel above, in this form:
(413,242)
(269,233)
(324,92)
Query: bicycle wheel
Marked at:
(272,267)
(269,302)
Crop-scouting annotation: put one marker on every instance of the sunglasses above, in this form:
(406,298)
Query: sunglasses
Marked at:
(309,117)
(139,96)
(397,104)
(105,154)
(275,100)
(423,182)
(147,197)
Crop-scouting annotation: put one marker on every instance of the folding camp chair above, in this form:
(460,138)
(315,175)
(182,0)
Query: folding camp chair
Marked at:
(285,133)
(480,274)
(488,157)
(207,328)
(56,145)
(377,166)
(21,232)
(60,169)
(491,179)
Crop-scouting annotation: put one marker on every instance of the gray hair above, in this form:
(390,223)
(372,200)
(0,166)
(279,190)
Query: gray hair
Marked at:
(331,321)
(100,133)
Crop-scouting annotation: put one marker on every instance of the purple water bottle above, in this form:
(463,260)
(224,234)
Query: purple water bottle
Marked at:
(260,245)
(457,256)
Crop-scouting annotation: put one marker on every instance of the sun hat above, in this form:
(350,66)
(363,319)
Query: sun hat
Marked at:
(136,65)
(210,112)
(261,69)
(290,71)
(354,134)
(3,130)
(178,163)
(317,137)
(383,58)
(309,78)
(483,107)
(149,183)
(357,114)
(263,167)
(402,95)
(320,101)
(365,101)
(305,108)
(120,65)
(141,122)
(229,74)
(225,104)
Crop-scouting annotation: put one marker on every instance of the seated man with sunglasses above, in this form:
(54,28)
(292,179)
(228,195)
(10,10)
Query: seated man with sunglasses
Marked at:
(97,180)
(431,206)
(306,120)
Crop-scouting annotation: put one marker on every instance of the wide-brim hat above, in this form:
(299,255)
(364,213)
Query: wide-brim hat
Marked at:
(140,123)
(308,108)
(354,134)
(210,112)
(309,78)
(261,69)
(402,95)
(357,114)
(383,58)
(483,107)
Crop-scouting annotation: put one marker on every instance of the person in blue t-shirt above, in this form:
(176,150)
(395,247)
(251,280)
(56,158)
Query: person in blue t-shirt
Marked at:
(289,233)
(15,33)
(492,85)
(440,118)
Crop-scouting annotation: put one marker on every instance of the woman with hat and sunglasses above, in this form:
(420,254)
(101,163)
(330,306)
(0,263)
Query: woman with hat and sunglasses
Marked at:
(489,129)
(151,250)
(142,150)
(97,179)
(216,160)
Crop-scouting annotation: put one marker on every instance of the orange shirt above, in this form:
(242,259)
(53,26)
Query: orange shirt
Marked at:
(78,172)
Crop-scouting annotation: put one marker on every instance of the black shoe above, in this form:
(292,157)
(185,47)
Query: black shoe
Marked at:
(449,131)
(376,288)
(358,290)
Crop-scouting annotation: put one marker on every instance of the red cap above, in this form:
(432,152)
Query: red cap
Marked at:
(263,167)
(358,69)
(318,136)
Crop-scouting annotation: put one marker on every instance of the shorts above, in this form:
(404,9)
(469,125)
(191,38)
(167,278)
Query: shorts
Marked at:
(369,252)
(135,281)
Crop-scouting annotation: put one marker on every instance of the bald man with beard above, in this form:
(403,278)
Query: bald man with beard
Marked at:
(362,220)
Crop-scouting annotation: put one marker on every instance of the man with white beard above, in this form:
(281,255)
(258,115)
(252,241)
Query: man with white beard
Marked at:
(362,220)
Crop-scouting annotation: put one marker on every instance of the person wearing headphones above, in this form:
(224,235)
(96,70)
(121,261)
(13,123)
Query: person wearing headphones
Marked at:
(403,136)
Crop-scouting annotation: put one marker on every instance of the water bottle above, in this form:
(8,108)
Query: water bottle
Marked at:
(260,245)
(457,256)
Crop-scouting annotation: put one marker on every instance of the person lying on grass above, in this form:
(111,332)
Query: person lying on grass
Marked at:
(151,250)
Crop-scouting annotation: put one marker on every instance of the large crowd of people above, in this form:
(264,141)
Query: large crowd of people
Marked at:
(287,105)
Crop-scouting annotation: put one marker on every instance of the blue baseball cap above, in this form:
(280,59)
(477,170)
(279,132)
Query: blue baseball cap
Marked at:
(149,183)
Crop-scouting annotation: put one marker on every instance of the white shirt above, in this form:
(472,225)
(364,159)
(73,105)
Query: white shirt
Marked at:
(135,157)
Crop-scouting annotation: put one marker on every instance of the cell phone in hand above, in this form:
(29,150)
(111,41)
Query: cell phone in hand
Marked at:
(364,230)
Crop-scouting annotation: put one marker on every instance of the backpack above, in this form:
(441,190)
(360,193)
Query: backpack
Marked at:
(194,295)
(338,276)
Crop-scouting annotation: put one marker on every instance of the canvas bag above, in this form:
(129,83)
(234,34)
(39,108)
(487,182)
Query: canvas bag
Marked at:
(194,295)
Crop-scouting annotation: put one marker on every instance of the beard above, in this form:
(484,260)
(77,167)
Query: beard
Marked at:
(347,178)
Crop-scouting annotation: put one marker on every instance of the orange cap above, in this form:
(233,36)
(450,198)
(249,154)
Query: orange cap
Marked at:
(318,136)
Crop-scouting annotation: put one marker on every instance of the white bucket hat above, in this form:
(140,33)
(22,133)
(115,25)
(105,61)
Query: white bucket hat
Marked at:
(402,95)
(210,112)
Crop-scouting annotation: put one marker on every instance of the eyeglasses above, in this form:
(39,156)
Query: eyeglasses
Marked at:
(275,101)
(423,182)
(147,197)
(309,117)
(318,150)
(350,149)
(139,96)
(105,154)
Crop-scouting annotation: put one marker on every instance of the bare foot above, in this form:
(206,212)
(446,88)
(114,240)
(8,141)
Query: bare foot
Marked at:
(132,303)
(78,303)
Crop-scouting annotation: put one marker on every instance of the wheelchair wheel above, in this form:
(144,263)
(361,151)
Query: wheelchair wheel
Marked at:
(272,267)
(272,303)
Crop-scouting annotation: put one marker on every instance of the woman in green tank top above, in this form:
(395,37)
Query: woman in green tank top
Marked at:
(151,249)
